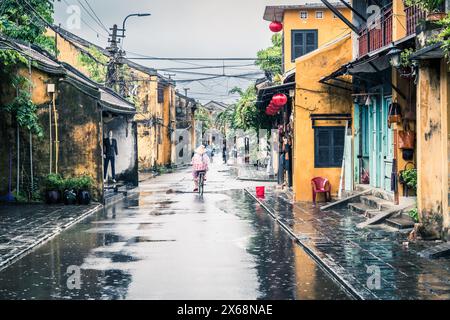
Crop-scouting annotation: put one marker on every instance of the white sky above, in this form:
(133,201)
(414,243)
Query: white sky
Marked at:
(189,28)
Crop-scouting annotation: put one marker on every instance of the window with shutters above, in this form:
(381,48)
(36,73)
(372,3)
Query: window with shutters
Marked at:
(303,42)
(328,146)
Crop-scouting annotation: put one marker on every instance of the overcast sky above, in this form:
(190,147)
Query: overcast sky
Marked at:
(183,28)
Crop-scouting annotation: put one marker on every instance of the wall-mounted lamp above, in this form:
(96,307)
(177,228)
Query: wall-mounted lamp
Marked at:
(394,57)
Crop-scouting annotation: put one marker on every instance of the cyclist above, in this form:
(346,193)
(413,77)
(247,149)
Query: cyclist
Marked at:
(200,162)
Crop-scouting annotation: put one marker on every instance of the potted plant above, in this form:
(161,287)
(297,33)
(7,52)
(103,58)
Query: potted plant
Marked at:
(434,8)
(53,184)
(408,178)
(70,191)
(85,184)
(406,65)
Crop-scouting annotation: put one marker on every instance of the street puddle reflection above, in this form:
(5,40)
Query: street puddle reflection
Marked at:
(221,246)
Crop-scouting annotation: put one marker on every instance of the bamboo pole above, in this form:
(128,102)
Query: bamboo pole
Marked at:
(55,116)
(50,136)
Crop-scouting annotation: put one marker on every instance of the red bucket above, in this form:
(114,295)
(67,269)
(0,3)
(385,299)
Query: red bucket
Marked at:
(260,192)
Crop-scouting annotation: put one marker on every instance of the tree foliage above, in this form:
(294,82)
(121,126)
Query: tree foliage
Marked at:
(270,60)
(244,114)
(202,115)
(22,20)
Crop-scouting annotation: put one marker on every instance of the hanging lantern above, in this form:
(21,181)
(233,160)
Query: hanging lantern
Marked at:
(276,26)
(279,100)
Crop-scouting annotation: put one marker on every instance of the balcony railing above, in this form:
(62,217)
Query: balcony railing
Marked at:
(413,16)
(378,35)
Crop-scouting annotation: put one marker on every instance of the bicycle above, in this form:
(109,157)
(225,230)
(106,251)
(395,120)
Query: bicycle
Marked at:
(201,182)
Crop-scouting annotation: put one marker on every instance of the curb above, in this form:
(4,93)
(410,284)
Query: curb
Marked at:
(348,287)
(6,263)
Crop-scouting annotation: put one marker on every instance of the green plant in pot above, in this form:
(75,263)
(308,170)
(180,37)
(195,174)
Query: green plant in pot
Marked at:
(434,8)
(409,177)
(406,65)
(53,184)
(85,184)
(70,191)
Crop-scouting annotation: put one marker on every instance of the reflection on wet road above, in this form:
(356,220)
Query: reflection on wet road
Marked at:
(172,245)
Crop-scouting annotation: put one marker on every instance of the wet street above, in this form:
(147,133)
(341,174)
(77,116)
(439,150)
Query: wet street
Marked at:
(165,242)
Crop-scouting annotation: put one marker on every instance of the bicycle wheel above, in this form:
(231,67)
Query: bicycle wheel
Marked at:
(200,183)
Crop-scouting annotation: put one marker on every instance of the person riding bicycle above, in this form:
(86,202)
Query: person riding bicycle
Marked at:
(200,162)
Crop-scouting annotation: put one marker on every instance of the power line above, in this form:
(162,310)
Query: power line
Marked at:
(95,14)
(92,17)
(87,24)
(195,59)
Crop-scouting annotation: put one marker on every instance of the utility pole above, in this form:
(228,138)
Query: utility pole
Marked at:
(112,77)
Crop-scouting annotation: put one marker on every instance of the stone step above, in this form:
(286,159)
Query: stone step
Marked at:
(360,208)
(400,222)
(376,203)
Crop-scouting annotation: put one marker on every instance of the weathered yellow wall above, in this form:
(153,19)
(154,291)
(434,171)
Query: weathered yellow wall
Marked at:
(69,53)
(150,152)
(328,28)
(403,85)
(313,97)
(168,116)
(432,158)
(398,21)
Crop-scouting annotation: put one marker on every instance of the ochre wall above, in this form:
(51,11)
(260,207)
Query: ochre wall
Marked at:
(328,28)
(432,158)
(79,126)
(398,21)
(150,151)
(408,90)
(313,97)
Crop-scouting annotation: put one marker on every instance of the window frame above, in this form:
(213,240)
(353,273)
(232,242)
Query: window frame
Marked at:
(304,12)
(322,12)
(305,32)
(331,148)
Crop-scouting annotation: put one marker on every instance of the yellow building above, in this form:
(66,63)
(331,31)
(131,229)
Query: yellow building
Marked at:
(311,35)
(321,114)
(306,27)
(153,95)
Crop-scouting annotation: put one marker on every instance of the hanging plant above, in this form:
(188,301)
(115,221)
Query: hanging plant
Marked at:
(409,176)
(430,6)
(21,107)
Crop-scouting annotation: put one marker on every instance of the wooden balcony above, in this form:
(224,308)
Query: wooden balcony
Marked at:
(413,16)
(376,36)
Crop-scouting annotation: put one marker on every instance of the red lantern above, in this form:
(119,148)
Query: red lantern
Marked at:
(276,26)
(279,100)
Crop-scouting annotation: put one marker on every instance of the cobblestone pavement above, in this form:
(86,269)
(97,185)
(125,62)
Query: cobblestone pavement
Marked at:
(354,255)
(23,227)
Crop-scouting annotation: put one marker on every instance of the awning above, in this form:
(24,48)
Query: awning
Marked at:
(265,95)
(431,52)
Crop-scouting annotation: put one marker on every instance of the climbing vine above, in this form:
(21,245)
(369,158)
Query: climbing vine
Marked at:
(21,107)
(23,21)
(94,61)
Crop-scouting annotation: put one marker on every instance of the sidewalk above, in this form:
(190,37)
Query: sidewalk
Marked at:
(347,252)
(23,227)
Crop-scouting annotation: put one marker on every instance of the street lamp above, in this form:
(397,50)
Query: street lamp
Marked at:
(129,16)
(394,57)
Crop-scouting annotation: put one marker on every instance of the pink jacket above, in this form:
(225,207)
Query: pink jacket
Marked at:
(200,162)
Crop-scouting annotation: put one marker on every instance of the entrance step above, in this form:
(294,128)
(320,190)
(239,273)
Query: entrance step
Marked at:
(376,203)
(361,208)
(401,222)
(441,250)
